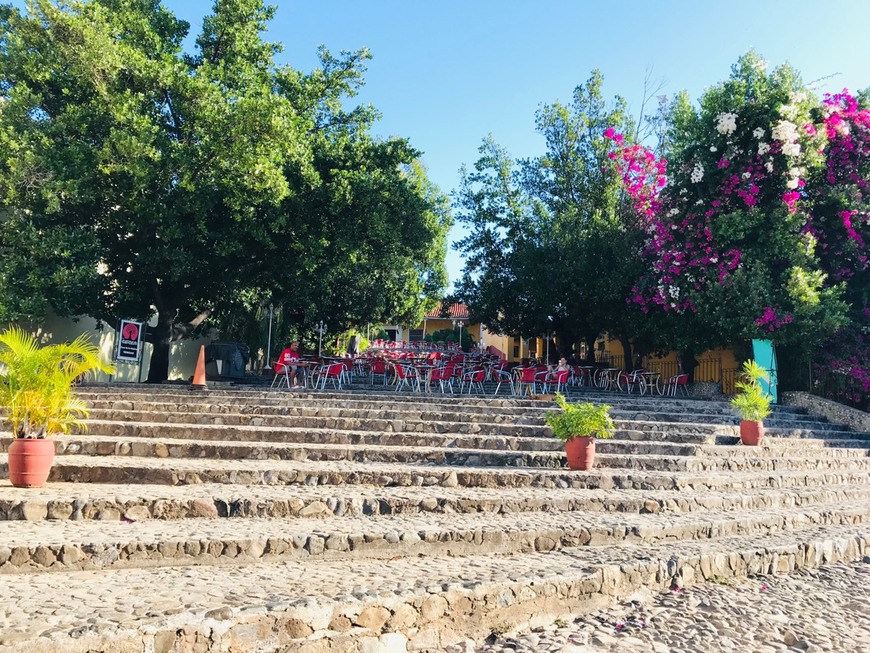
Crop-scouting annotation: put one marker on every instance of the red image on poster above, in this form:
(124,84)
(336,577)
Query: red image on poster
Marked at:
(130,331)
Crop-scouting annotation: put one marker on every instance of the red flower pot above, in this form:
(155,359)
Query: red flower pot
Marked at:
(30,461)
(751,433)
(580,452)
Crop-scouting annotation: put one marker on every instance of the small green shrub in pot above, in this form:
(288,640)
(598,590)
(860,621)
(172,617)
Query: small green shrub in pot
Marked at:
(583,419)
(37,396)
(751,401)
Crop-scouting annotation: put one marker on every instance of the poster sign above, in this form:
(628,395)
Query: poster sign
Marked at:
(129,341)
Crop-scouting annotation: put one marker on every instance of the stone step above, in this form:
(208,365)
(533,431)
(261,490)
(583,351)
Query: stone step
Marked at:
(410,401)
(108,502)
(411,603)
(185,471)
(627,440)
(161,447)
(505,410)
(615,455)
(523,427)
(860,437)
(404,433)
(66,545)
(377,393)
(316,404)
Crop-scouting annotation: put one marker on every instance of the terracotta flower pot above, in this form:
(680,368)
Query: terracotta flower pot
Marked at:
(30,461)
(580,452)
(751,433)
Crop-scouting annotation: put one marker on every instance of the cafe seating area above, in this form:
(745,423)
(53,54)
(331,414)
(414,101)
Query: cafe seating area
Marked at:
(428,368)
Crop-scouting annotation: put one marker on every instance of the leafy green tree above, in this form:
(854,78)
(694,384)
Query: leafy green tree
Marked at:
(549,248)
(137,178)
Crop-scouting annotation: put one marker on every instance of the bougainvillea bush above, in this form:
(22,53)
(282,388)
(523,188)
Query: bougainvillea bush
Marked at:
(757,221)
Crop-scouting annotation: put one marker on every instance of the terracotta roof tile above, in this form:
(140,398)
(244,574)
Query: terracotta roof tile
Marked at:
(454,312)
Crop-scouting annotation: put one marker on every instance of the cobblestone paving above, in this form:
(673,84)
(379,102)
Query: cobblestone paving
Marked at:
(809,611)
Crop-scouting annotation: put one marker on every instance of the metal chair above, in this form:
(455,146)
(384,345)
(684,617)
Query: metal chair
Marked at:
(444,376)
(503,376)
(474,378)
(526,381)
(671,385)
(406,377)
(556,382)
(332,372)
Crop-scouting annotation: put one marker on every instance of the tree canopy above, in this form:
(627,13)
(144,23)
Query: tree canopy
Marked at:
(545,233)
(136,178)
(748,219)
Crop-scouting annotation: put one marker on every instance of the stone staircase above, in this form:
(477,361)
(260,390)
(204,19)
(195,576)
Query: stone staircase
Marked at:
(366,521)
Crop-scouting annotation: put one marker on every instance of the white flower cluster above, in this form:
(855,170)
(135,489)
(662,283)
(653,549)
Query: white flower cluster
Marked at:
(794,175)
(758,132)
(788,111)
(697,173)
(763,148)
(673,212)
(726,123)
(786,133)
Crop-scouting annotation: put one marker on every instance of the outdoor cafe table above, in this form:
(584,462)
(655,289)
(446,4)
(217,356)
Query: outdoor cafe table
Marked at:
(651,380)
(302,366)
(424,374)
(608,377)
(587,373)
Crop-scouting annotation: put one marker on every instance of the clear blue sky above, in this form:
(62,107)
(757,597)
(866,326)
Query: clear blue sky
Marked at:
(446,73)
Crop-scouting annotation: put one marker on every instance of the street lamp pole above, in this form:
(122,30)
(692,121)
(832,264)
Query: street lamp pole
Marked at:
(549,335)
(268,365)
(459,324)
(321,329)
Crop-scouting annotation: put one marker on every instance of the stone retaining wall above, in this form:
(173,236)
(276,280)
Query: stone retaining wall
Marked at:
(856,419)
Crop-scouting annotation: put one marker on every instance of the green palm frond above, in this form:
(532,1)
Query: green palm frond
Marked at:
(37,382)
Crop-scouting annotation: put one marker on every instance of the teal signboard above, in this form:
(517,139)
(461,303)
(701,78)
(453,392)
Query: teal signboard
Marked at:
(765,356)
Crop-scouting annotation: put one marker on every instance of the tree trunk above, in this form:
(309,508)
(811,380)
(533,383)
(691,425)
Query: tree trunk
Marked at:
(161,341)
(590,348)
(628,353)
(566,344)
(688,362)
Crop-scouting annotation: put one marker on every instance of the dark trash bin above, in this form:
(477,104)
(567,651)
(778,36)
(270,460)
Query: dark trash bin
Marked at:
(225,360)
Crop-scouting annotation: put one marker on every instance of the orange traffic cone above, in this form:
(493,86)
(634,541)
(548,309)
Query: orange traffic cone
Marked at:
(199,374)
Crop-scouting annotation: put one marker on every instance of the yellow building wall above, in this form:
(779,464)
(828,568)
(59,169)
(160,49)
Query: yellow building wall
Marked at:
(713,365)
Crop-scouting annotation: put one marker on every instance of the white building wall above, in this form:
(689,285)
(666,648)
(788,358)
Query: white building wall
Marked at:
(182,355)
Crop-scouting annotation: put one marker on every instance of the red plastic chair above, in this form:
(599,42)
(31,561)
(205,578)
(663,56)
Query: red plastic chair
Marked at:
(671,385)
(332,372)
(378,367)
(526,381)
(474,379)
(406,377)
(444,376)
(557,381)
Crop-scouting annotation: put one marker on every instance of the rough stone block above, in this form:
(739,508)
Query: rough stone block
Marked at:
(373,618)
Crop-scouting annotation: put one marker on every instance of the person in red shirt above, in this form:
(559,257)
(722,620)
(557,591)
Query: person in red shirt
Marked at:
(287,358)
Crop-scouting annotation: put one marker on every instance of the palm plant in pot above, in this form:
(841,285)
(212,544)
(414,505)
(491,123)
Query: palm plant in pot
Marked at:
(578,425)
(36,394)
(752,403)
